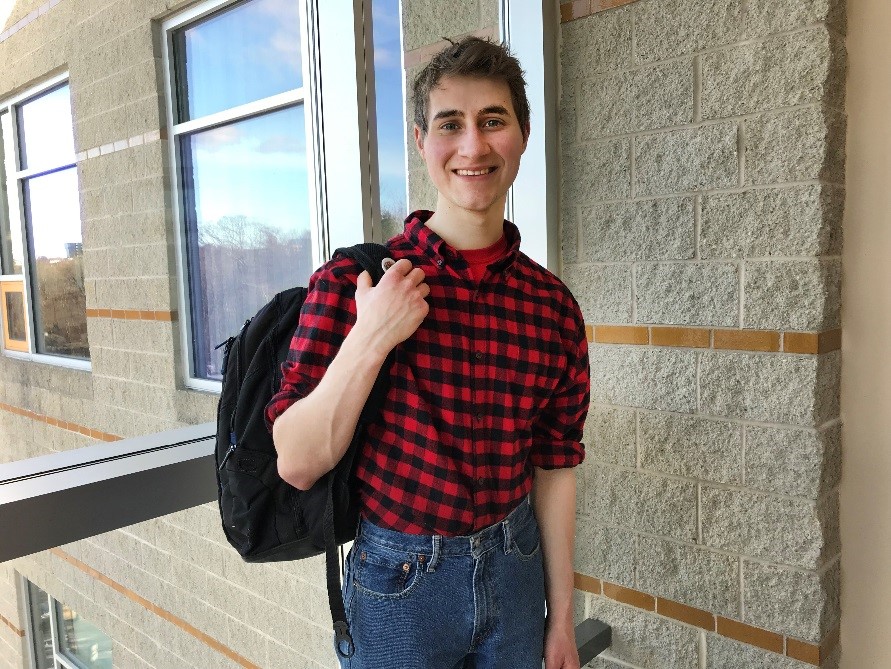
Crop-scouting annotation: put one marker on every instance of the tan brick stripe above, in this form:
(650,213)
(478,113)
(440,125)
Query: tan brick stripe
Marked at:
(732,629)
(577,9)
(157,610)
(133,314)
(771,341)
(122,144)
(64,425)
(11,625)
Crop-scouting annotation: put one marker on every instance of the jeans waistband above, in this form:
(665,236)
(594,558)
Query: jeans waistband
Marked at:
(498,534)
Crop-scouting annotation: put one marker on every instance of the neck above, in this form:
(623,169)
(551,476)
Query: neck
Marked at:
(464,230)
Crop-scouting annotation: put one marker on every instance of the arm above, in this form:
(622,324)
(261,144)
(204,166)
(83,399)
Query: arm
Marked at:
(313,433)
(553,498)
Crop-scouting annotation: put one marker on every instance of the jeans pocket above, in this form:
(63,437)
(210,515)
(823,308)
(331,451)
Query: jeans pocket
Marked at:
(385,572)
(526,542)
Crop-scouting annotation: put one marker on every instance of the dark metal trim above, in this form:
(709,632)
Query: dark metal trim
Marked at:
(56,499)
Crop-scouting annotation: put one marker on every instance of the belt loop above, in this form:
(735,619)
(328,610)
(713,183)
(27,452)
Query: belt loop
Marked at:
(434,559)
(507,537)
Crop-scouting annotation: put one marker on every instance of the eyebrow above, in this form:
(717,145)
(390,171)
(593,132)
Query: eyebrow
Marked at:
(492,109)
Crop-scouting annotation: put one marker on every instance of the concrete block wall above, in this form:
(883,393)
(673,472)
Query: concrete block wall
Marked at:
(170,592)
(703,188)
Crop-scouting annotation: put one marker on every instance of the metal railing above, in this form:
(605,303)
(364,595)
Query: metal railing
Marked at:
(55,499)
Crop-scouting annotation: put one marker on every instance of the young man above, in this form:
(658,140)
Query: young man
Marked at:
(466,485)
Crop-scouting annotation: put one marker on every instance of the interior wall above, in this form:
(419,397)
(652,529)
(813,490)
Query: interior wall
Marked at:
(866,318)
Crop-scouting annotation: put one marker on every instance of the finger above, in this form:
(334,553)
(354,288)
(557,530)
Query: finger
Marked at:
(402,267)
(416,276)
(424,290)
(363,282)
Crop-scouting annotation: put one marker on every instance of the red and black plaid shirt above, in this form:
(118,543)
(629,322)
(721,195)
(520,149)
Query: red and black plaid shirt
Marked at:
(494,383)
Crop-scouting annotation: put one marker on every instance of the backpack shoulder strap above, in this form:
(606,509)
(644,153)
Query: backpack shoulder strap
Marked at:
(370,256)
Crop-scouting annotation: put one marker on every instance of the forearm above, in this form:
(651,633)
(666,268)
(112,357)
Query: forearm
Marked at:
(553,498)
(312,435)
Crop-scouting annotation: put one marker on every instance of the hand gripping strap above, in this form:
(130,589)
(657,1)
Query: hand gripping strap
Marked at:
(370,257)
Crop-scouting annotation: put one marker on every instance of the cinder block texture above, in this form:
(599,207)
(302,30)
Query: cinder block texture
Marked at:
(724,653)
(802,604)
(795,145)
(658,379)
(602,291)
(646,98)
(428,22)
(668,28)
(609,436)
(645,640)
(687,160)
(768,16)
(660,229)
(781,71)
(709,450)
(802,463)
(596,44)
(795,221)
(793,294)
(768,387)
(787,531)
(688,294)
(604,552)
(642,501)
(689,574)
(596,172)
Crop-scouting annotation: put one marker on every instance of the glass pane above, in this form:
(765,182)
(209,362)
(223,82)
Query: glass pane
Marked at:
(52,214)
(46,138)
(41,627)
(238,56)
(390,114)
(81,640)
(11,249)
(15,316)
(249,227)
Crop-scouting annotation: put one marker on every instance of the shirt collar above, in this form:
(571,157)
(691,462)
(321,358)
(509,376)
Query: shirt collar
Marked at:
(434,246)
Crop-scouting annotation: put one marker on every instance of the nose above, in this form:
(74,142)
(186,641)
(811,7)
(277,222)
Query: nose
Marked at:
(474,143)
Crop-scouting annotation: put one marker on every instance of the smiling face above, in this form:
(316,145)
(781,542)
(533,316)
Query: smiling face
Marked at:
(472,147)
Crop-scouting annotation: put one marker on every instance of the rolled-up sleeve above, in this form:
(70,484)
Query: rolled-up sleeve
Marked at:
(557,432)
(328,314)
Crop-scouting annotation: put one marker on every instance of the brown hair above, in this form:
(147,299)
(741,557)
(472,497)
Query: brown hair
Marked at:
(471,57)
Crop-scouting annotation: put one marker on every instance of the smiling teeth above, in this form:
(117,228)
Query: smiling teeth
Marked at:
(473,173)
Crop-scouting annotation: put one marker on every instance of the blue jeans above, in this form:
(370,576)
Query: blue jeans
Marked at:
(432,602)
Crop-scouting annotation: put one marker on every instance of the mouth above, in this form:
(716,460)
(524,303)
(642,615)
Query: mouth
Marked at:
(475,173)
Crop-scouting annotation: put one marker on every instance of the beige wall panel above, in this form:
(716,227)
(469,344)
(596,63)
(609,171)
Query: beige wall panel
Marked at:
(866,322)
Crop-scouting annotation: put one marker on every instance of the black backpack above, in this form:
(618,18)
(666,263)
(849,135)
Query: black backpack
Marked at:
(264,518)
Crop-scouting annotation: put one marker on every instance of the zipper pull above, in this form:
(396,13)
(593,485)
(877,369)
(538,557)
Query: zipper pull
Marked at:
(229,452)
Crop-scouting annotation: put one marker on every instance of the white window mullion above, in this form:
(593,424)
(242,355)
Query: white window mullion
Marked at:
(531,33)
(344,122)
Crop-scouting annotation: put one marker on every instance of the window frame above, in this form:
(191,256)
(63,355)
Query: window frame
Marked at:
(339,198)
(60,660)
(16,211)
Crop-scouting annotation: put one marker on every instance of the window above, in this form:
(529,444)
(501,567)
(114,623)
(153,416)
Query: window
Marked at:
(60,638)
(41,244)
(244,165)
(262,192)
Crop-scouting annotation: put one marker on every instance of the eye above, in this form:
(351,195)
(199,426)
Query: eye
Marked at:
(449,126)
(493,123)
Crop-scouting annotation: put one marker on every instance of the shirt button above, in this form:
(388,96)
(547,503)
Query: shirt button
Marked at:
(440,262)
(478,355)
(479,418)
(481,481)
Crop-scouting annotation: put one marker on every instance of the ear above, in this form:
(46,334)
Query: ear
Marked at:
(419,142)
(526,130)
